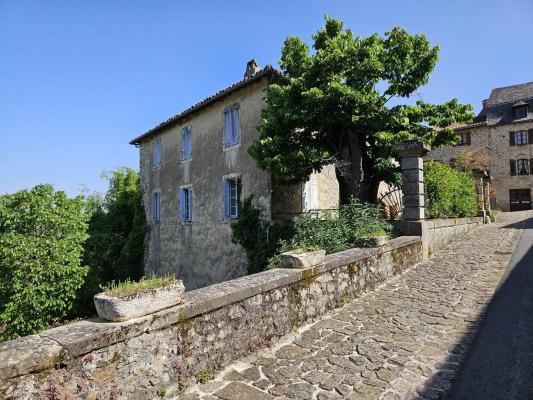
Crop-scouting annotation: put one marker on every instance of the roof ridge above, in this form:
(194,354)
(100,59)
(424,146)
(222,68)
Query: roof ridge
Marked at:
(266,70)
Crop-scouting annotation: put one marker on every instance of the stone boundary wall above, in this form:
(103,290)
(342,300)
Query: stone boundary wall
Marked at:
(438,233)
(160,354)
(441,232)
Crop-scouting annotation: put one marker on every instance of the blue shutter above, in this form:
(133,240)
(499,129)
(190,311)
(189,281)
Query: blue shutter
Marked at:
(189,142)
(183,144)
(235,125)
(226,199)
(182,205)
(227,127)
(189,203)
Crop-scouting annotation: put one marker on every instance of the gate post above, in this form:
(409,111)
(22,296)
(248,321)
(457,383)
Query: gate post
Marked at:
(411,155)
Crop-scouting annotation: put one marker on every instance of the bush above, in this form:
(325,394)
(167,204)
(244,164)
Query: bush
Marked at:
(449,193)
(42,233)
(260,239)
(351,226)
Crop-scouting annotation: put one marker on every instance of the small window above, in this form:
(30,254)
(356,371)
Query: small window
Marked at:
(231,126)
(156,206)
(231,198)
(465,139)
(522,167)
(186,204)
(157,153)
(186,143)
(520,112)
(521,137)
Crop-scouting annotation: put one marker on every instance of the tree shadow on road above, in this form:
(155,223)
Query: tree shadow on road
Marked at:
(499,357)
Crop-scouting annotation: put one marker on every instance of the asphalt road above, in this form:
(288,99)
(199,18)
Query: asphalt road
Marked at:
(500,362)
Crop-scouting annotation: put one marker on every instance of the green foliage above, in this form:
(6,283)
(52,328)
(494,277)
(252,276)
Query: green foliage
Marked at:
(144,284)
(259,238)
(355,223)
(115,248)
(449,193)
(332,106)
(42,233)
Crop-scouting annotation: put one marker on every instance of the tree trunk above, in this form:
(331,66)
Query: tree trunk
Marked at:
(354,171)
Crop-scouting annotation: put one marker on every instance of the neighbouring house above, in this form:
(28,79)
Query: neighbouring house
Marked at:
(195,167)
(503,131)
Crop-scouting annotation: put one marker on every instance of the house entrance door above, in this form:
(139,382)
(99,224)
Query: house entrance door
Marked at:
(520,199)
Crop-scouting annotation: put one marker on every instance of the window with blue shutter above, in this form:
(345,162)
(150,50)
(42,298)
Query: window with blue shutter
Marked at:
(156,206)
(232,126)
(186,204)
(186,143)
(157,153)
(231,198)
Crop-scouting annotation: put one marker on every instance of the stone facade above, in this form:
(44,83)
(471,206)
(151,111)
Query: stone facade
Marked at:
(200,251)
(161,354)
(490,135)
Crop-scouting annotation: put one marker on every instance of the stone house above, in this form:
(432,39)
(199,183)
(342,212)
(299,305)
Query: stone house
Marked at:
(503,131)
(193,169)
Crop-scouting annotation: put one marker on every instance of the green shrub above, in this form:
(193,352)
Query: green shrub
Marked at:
(449,193)
(42,233)
(351,226)
(260,239)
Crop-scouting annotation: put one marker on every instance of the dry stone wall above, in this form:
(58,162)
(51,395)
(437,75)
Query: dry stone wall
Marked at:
(160,354)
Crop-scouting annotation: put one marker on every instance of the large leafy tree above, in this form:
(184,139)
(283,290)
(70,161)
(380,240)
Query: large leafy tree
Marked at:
(42,233)
(335,107)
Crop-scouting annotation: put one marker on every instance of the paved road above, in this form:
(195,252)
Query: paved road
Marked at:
(405,340)
(500,362)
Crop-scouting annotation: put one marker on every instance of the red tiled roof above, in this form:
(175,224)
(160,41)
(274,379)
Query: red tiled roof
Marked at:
(267,71)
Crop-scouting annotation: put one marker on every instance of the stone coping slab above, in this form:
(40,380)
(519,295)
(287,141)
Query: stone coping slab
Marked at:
(42,351)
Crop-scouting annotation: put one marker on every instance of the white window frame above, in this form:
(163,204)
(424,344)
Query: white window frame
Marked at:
(231,197)
(156,206)
(522,166)
(521,138)
(186,143)
(232,130)
(156,153)
(186,203)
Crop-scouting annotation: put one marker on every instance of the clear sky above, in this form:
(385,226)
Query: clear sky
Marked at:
(79,79)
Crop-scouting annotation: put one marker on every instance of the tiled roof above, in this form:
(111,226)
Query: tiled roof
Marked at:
(510,94)
(459,127)
(267,71)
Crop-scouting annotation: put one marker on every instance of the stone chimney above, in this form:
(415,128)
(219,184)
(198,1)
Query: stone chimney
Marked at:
(484,102)
(252,67)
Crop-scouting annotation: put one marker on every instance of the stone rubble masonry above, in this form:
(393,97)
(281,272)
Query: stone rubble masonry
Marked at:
(163,353)
(166,351)
(438,233)
(406,340)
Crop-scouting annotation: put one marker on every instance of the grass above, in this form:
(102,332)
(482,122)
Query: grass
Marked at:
(143,285)
(204,376)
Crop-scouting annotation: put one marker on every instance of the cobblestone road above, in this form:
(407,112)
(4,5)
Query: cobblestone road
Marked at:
(405,340)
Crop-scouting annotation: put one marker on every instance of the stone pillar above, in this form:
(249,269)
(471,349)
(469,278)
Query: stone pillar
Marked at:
(478,176)
(486,192)
(411,155)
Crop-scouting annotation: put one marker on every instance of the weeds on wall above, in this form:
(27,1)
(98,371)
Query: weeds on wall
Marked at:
(352,226)
(449,193)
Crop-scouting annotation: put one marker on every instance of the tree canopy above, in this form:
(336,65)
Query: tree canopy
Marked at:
(335,106)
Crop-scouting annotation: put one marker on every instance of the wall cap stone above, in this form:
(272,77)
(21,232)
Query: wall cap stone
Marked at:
(44,350)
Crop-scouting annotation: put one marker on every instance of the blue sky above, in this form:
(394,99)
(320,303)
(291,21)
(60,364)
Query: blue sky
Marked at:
(79,79)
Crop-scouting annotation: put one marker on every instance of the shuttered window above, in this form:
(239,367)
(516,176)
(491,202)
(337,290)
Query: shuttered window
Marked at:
(186,204)
(186,143)
(232,127)
(231,198)
(156,206)
(465,139)
(522,167)
(157,153)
